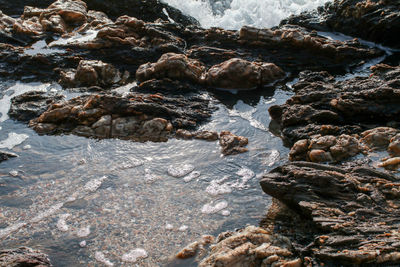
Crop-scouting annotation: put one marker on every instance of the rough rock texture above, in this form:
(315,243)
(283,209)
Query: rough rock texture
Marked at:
(237,73)
(232,144)
(375,20)
(139,117)
(324,106)
(92,73)
(355,210)
(252,246)
(31,104)
(6,155)
(171,65)
(23,256)
(202,135)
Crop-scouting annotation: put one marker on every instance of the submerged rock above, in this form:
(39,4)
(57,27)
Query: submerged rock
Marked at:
(23,256)
(354,210)
(374,20)
(232,144)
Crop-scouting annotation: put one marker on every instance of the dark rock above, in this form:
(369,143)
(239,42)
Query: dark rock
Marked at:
(31,104)
(355,210)
(327,107)
(6,155)
(374,20)
(23,256)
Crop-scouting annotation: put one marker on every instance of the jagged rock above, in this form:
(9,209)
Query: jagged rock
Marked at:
(138,117)
(23,256)
(237,73)
(92,73)
(232,144)
(174,66)
(6,155)
(375,20)
(355,210)
(202,135)
(31,104)
(252,246)
(327,107)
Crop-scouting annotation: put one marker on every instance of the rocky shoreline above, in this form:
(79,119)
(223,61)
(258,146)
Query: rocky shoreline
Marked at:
(343,212)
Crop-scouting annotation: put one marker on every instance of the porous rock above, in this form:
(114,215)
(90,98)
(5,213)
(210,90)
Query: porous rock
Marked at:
(23,256)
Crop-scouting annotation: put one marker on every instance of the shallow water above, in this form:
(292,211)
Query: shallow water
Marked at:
(85,201)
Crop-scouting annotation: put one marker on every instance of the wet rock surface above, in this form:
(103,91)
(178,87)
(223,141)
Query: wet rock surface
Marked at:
(6,155)
(138,117)
(24,256)
(323,106)
(376,20)
(354,209)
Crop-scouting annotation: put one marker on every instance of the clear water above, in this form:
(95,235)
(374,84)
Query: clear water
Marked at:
(233,14)
(86,201)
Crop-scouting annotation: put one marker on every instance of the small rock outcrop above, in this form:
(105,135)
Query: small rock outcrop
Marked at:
(354,210)
(6,155)
(23,256)
(232,144)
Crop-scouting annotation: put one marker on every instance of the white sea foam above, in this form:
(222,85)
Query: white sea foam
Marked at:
(149,176)
(219,187)
(8,230)
(94,184)
(62,224)
(179,171)
(83,231)
(233,14)
(191,176)
(134,255)
(13,140)
(211,208)
(246,174)
(100,257)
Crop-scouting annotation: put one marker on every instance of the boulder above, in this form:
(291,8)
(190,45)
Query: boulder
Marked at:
(232,144)
(24,256)
(238,73)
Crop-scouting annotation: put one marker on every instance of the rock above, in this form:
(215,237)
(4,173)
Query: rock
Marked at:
(377,21)
(6,155)
(174,66)
(378,137)
(250,247)
(354,210)
(232,144)
(23,256)
(237,73)
(31,104)
(394,146)
(202,135)
(138,117)
(92,73)
(326,107)
(189,251)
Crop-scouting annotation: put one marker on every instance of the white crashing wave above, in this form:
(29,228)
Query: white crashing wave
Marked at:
(233,14)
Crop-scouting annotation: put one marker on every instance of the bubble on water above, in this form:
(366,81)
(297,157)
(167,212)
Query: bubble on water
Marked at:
(183,228)
(134,255)
(83,231)
(191,176)
(218,187)
(214,208)
(62,224)
(13,140)
(179,171)
(225,213)
(100,257)
(94,184)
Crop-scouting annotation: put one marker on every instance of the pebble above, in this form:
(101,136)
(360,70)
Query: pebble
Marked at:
(13,173)
(183,228)
(169,226)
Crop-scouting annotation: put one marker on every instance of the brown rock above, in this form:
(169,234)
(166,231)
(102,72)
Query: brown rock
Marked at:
(238,73)
(232,144)
(23,256)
